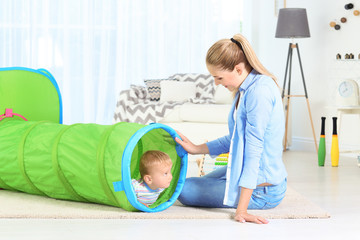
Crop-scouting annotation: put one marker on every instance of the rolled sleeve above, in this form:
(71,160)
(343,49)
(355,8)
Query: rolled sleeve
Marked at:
(259,106)
(219,146)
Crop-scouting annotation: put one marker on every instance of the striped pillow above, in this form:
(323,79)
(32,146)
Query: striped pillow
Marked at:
(153,87)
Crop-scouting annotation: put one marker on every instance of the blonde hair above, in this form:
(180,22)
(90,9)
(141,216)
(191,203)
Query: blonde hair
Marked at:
(152,158)
(226,54)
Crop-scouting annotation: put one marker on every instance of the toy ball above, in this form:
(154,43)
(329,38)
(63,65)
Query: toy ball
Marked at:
(332,24)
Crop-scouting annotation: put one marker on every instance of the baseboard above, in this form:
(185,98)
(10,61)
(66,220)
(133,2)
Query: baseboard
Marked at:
(302,144)
(307,145)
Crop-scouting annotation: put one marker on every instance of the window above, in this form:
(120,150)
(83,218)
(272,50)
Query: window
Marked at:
(96,48)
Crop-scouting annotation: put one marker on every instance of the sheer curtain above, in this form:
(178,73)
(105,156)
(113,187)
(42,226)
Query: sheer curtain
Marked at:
(96,48)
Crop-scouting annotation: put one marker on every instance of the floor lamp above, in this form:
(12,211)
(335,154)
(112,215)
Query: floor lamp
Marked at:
(293,23)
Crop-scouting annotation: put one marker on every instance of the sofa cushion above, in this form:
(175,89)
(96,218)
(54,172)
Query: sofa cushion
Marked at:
(177,91)
(205,86)
(172,116)
(208,113)
(153,87)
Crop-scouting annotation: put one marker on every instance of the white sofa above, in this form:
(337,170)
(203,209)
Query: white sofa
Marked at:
(204,115)
(200,122)
(190,103)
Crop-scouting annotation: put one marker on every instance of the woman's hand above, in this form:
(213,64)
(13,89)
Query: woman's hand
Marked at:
(241,214)
(245,217)
(190,147)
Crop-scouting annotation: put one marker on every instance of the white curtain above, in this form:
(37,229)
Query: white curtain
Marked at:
(96,48)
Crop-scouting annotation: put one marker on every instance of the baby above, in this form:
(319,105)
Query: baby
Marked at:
(155,170)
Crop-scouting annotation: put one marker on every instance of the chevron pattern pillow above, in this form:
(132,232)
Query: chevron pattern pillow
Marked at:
(205,86)
(153,87)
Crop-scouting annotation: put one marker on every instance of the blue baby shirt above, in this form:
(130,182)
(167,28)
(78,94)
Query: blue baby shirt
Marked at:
(257,140)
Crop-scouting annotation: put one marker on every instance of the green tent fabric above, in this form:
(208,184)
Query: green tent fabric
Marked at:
(86,162)
(31,93)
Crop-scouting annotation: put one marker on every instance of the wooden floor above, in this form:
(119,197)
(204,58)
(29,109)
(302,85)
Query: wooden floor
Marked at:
(337,190)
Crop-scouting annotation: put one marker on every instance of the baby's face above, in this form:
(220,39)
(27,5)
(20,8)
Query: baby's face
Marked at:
(161,175)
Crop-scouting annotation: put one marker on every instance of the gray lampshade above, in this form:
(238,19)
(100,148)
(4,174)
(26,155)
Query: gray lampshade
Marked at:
(292,23)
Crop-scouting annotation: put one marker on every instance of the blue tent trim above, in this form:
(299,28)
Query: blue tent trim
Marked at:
(126,175)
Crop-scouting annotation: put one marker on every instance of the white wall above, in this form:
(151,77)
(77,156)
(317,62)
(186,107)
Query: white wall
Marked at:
(321,71)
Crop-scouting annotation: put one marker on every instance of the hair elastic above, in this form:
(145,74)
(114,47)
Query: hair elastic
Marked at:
(237,43)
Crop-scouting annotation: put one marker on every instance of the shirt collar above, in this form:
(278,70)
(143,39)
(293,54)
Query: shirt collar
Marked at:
(248,80)
(147,186)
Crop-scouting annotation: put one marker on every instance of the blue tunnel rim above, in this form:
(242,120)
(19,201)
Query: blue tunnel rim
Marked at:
(126,174)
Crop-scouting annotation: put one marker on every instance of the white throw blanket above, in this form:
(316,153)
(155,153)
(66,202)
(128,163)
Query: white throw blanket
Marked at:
(134,104)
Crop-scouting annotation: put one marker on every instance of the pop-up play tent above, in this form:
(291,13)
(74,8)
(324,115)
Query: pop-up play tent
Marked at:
(31,93)
(80,162)
(86,162)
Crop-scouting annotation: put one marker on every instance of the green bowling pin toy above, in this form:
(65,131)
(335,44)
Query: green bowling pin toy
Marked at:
(322,148)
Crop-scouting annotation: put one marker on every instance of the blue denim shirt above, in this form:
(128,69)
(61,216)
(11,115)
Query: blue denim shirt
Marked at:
(257,141)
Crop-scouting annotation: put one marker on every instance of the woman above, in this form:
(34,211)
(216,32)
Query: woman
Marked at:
(255,177)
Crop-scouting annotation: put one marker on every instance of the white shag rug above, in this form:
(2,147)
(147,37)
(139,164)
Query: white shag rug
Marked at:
(22,205)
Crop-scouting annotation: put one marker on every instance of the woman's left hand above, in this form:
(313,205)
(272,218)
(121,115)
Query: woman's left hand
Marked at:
(245,217)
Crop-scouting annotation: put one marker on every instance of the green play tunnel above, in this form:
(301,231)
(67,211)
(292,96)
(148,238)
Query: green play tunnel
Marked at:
(86,162)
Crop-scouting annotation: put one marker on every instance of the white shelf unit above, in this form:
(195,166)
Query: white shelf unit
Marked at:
(342,69)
